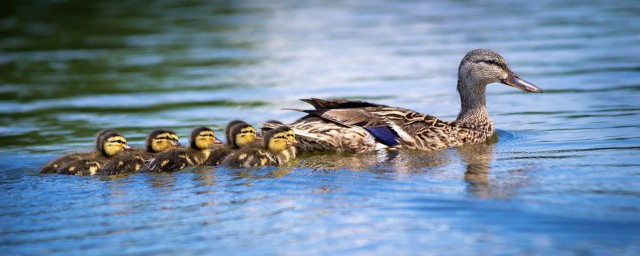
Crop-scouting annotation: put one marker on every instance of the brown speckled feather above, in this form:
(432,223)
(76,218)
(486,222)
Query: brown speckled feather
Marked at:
(343,129)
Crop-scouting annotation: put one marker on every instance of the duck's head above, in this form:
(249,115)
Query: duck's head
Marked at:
(291,137)
(227,130)
(202,138)
(110,142)
(481,67)
(241,134)
(277,139)
(161,140)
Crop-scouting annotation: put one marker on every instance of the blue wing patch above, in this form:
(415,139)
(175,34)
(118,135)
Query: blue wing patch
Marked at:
(384,135)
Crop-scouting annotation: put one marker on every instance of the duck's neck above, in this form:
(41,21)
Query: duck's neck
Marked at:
(473,103)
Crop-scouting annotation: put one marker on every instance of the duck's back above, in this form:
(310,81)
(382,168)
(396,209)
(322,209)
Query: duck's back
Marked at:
(218,153)
(175,159)
(87,165)
(250,156)
(126,162)
(54,165)
(356,126)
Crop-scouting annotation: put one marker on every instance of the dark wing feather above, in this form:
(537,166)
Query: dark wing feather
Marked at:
(362,117)
(339,103)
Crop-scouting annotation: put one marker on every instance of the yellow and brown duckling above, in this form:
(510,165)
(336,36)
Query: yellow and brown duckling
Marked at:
(201,139)
(55,165)
(134,159)
(291,135)
(239,134)
(109,144)
(271,152)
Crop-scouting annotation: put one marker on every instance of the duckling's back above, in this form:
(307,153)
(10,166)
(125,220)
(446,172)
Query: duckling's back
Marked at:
(55,165)
(175,160)
(126,162)
(218,153)
(250,156)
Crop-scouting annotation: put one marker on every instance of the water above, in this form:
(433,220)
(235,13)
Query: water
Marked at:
(562,177)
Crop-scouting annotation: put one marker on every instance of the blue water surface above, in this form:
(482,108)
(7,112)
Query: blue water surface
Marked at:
(562,177)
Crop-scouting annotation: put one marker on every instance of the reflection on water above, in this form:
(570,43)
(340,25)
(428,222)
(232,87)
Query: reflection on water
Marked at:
(561,177)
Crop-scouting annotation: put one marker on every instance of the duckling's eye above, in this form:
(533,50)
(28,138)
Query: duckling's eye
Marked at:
(281,137)
(207,135)
(118,141)
(163,138)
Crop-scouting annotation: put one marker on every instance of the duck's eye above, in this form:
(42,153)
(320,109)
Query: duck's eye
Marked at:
(118,141)
(163,138)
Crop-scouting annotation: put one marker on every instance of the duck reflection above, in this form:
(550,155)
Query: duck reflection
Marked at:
(382,161)
(478,159)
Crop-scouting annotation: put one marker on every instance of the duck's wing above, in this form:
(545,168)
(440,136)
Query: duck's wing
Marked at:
(339,103)
(390,126)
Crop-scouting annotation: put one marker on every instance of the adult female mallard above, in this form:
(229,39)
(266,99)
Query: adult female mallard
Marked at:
(358,126)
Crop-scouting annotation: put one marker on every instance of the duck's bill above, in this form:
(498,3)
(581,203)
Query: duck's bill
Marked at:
(218,142)
(517,82)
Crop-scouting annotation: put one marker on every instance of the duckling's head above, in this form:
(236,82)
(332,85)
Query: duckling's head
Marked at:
(242,134)
(481,67)
(202,138)
(227,130)
(161,140)
(111,143)
(100,137)
(276,140)
(291,137)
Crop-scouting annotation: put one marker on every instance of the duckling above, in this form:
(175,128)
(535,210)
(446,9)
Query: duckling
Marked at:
(239,134)
(54,165)
(110,144)
(134,159)
(271,152)
(291,136)
(201,139)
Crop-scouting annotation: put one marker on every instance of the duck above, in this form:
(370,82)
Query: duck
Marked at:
(134,159)
(239,134)
(343,125)
(200,140)
(291,136)
(54,165)
(271,152)
(109,144)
